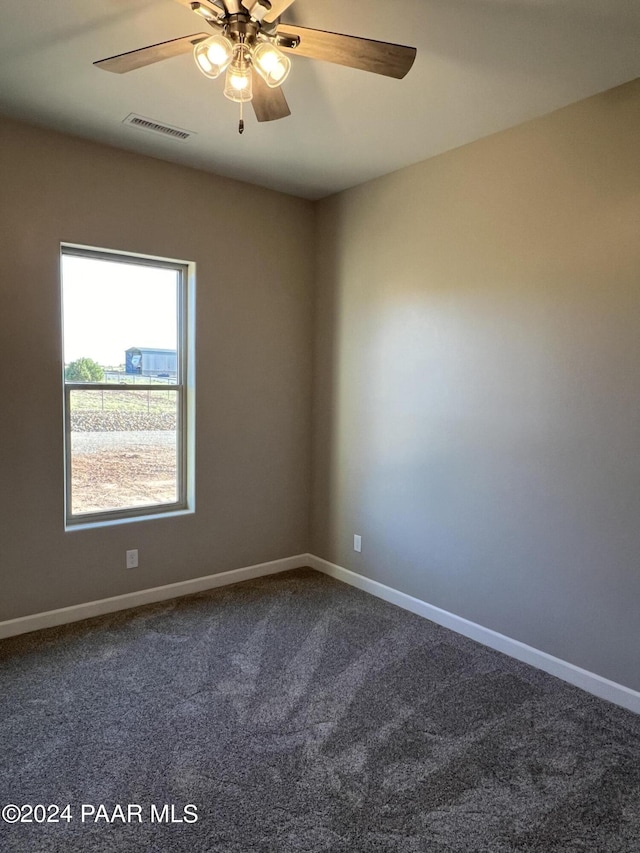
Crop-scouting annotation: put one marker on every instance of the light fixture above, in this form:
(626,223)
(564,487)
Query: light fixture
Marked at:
(271,64)
(213,55)
(246,45)
(238,85)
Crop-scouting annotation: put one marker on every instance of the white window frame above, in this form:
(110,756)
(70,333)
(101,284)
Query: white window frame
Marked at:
(184,387)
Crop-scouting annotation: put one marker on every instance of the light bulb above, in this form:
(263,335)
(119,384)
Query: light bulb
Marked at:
(213,55)
(269,59)
(271,64)
(217,54)
(238,82)
(238,86)
(278,72)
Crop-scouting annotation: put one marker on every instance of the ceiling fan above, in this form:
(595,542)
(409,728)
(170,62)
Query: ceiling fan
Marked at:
(251,44)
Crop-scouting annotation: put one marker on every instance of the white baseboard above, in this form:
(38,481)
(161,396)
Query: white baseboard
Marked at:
(589,681)
(65,615)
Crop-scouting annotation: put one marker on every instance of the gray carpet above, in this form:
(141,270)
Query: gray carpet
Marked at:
(299,714)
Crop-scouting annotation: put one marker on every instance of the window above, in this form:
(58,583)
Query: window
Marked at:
(128,385)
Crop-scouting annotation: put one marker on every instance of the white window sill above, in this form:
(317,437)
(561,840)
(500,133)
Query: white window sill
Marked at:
(112,522)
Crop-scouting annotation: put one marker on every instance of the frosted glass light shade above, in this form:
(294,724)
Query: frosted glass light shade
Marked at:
(238,85)
(271,64)
(213,55)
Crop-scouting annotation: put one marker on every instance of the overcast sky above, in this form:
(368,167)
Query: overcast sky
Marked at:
(110,306)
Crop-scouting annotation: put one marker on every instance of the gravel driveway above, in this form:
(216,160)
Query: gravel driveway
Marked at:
(95,442)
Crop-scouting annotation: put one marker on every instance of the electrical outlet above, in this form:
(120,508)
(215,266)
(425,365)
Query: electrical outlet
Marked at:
(132,559)
(357,542)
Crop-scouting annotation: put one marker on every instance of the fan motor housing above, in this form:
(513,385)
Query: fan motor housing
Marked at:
(241,28)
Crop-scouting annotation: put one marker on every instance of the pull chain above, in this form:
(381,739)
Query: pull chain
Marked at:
(241,122)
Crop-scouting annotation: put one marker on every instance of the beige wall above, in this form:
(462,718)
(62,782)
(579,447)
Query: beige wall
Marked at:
(254,287)
(477,382)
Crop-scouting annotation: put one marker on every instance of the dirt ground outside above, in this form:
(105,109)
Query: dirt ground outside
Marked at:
(122,460)
(135,475)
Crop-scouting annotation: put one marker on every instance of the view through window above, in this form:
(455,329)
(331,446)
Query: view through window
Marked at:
(125,368)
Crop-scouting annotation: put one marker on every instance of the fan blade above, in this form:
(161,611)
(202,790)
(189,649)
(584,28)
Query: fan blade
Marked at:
(277,8)
(381,57)
(268,104)
(148,55)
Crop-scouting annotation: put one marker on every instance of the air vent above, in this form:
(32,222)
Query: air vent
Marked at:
(152,126)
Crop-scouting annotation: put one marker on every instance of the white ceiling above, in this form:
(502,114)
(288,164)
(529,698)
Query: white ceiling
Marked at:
(482,66)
